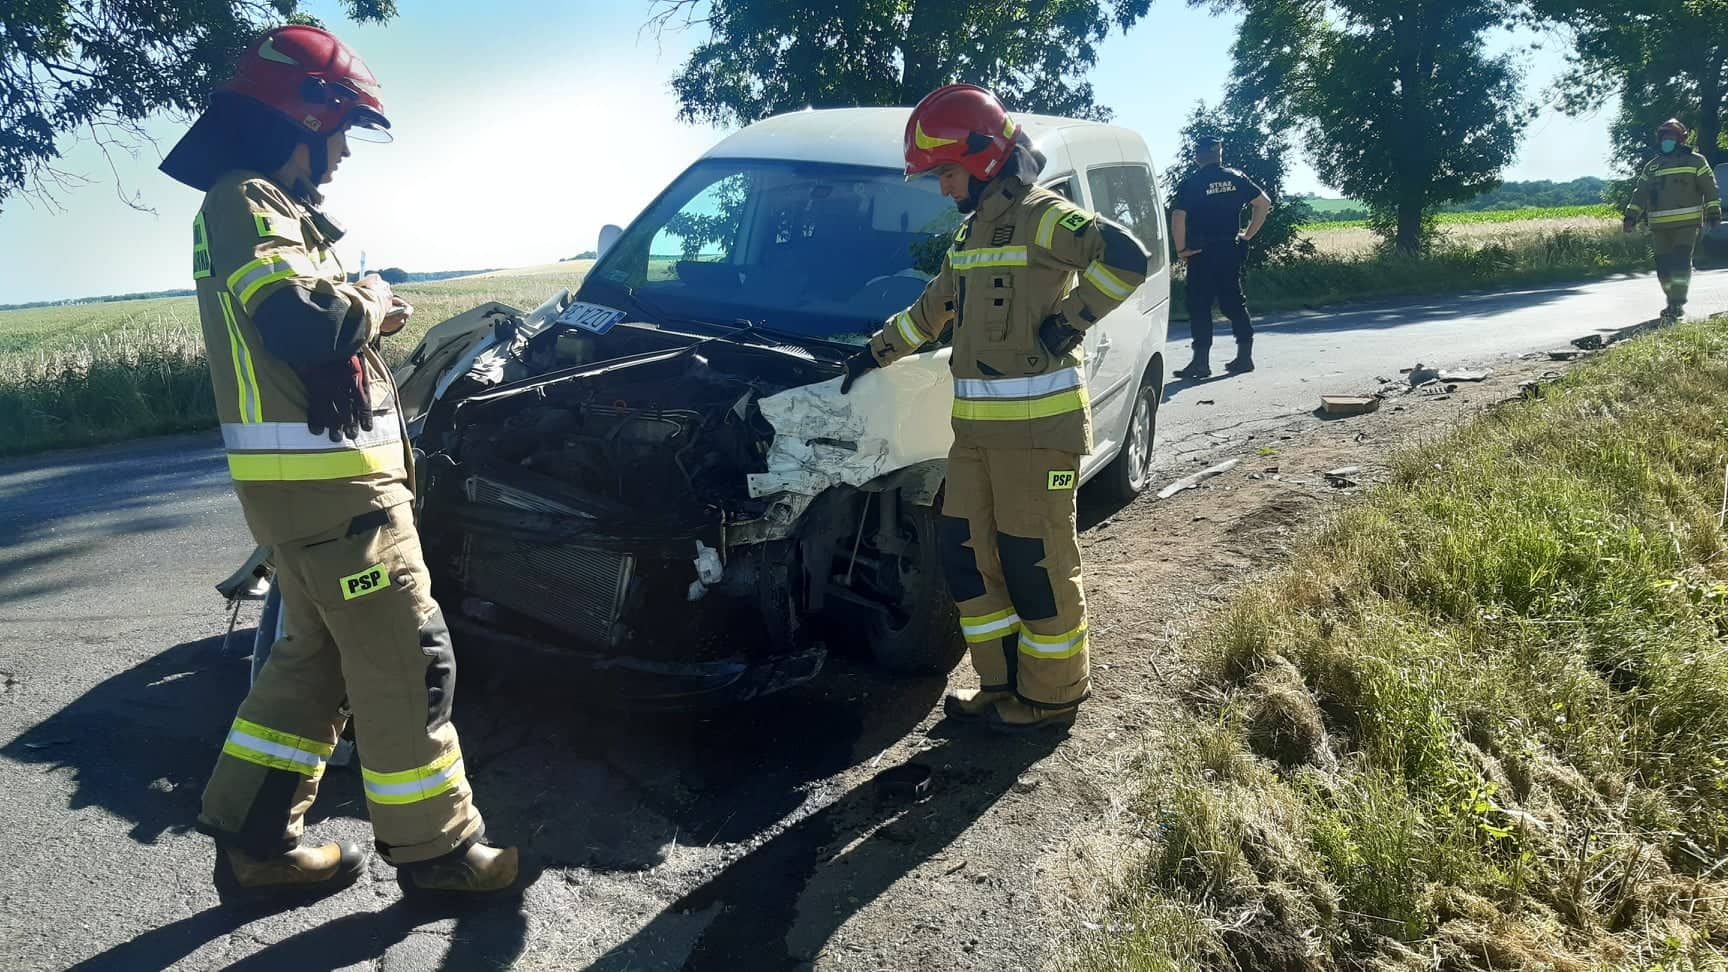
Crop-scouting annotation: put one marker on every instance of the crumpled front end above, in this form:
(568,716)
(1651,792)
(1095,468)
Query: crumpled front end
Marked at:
(600,510)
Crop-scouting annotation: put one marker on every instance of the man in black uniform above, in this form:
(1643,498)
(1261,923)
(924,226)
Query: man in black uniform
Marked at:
(1207,230)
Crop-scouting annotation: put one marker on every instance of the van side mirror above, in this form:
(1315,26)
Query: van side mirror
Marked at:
(608,235)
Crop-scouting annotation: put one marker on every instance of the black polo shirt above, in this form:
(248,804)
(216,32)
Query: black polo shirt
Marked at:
(1213,198)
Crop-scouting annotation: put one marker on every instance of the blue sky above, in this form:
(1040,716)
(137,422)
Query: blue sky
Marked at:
(525,125)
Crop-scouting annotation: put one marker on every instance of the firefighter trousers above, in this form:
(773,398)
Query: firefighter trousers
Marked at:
(1215,277)
(1674,249)
(1012,557)
(361,632)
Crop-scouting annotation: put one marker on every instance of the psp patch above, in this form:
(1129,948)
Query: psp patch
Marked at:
(1075,221)
(272,226)
(369,581)
(1061,479)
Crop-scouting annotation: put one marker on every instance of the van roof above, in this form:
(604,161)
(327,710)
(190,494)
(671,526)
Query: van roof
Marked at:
(872,136)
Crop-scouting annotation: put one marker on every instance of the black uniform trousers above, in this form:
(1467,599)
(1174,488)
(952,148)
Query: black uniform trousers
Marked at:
(1215,276)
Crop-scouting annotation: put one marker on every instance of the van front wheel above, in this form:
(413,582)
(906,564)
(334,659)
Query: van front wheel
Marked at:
(1130,472)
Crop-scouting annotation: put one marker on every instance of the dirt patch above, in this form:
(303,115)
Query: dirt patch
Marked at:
(1035,863)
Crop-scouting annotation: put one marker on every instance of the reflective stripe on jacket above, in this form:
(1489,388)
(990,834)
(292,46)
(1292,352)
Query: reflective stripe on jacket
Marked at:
(251,241)
(1025,254)
(1675,191)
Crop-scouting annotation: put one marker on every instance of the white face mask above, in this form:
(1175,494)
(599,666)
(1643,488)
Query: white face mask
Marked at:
(1668,145)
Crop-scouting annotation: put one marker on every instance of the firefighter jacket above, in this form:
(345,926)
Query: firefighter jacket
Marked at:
(1675,191)
(273,297)
(1025,254)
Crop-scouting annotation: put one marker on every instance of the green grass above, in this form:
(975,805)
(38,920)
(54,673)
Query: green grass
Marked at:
(1482,721)
(1523,215)
(1332,205)
(92,373)
(1547,256)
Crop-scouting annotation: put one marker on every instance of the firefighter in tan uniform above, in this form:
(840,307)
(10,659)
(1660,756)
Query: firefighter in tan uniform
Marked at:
(1027,274)
(322,467)
(1676,191)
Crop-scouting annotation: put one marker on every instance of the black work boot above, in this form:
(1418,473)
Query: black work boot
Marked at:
(1198,368)
(1244,360)
(1673,313)
(321,869)
(475,869)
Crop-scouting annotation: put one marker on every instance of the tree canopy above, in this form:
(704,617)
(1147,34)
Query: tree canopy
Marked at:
(1664,58)
(763,57)
(97,70)
(1398,101)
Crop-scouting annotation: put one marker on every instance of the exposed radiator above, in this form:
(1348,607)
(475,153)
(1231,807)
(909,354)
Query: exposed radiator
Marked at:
(576,589)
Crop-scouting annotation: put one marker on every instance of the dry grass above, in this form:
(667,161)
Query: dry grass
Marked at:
(1517,654)
(1359,241)
(92,373)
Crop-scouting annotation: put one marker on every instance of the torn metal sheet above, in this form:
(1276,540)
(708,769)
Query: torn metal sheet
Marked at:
(893,418)
(1189,482)
(1466,374)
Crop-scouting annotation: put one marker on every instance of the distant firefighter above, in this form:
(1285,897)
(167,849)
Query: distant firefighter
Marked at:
(1676,191)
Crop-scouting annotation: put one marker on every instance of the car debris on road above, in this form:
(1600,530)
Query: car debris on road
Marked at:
(1189,482)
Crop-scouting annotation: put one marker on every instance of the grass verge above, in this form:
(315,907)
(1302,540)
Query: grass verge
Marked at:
(1454,266)
(93,373)
(118,385)
(1482,721)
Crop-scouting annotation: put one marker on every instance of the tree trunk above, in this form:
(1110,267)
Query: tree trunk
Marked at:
(1409,239)
(1710,109)
(1410,167)
(921,52)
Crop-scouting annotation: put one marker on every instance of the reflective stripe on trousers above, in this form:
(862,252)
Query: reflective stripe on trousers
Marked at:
(1065,645)
(275,749)
(415,785)
(989,627)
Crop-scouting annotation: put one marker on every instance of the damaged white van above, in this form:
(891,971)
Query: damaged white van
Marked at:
(657,477)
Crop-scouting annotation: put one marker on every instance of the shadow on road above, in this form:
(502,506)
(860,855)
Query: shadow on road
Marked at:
(1402,312)
(1177,386)
(38,493)
(490,936)
(776,907)
(573,786)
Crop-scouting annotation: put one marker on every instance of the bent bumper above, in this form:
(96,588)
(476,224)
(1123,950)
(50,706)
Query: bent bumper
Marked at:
(640,682)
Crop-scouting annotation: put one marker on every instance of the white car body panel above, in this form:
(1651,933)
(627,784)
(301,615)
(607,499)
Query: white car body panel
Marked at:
(898,416)
(895,417)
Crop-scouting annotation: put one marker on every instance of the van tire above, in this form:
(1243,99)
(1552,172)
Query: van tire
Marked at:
(927,641)
(1130,472)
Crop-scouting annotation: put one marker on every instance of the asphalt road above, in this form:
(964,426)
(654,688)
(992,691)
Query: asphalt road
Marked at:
(1304,356)
(668,842)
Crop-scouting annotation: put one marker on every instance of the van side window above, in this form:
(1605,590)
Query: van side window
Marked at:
(1124,193)
(1068,189)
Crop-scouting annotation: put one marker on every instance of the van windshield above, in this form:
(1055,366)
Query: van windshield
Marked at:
(818,250)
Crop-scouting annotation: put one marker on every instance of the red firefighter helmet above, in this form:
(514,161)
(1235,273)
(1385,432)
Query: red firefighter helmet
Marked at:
(961,124)
(1672,127)
(315,80)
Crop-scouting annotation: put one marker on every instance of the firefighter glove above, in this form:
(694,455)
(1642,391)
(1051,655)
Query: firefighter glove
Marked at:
(860,361)
(1057,336)
(1713,218)
(338,401)
(1630,223)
